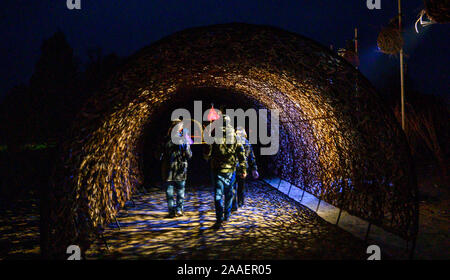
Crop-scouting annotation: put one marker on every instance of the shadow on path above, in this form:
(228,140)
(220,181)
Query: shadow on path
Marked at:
(269,226)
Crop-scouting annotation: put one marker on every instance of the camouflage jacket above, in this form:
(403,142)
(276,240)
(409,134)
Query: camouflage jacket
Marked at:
(225,158)
(175,161)
(249,155)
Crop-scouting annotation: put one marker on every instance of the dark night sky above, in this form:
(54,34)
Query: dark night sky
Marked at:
(124,26)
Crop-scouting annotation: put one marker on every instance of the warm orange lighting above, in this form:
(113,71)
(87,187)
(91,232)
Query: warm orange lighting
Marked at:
(212,115)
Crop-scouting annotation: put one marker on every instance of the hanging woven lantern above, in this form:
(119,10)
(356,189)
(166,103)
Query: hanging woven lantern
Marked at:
(390,40)
(437,11)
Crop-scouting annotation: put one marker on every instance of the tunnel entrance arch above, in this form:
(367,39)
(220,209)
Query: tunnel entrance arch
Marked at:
(338,141)
(205,98)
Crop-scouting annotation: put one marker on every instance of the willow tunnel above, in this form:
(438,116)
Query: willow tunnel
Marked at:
(337,139)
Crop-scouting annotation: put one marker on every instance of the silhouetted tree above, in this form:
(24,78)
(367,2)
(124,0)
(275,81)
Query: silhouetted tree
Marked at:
(99,68)
(53,86)
(43,110)
(15,121)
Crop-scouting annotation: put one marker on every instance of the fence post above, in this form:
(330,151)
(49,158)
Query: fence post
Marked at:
(339,216)
(367,233)
(104,240)
(413,248)
(117,222)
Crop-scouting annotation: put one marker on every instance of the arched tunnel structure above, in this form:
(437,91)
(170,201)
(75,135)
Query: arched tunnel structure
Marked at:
(337,138)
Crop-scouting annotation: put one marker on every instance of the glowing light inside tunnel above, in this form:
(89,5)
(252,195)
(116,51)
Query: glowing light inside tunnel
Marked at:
(327,130)
(212,115)
(187,137)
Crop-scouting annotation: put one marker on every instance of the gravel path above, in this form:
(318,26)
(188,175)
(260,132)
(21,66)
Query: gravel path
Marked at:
(269,226)
(19,230)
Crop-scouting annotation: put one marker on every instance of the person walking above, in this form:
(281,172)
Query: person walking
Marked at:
(225,155)
(175,157)
(239,189)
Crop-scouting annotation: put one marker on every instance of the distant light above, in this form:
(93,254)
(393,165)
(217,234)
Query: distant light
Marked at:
(212,115)
(187,137)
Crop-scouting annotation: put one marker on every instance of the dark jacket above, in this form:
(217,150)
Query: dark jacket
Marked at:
(249,155)
(175,160)
(225,158)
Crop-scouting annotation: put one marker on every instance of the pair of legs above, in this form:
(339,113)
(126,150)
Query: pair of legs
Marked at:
(223,194)
(178,186)
(239,193)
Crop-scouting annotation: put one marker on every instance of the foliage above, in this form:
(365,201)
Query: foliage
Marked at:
(426,130)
